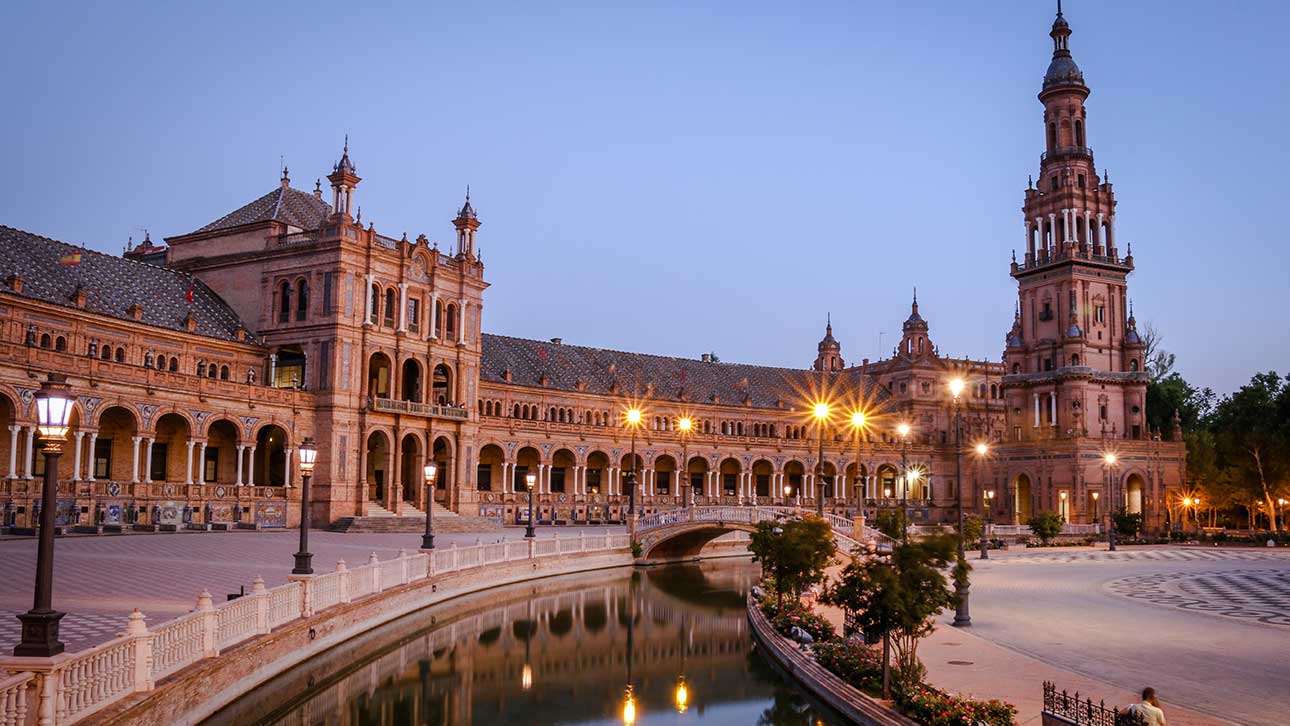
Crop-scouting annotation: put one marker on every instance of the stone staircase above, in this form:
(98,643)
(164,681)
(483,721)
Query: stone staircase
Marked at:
(412,520)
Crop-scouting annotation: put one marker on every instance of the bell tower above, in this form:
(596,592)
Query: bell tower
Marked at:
(344,178)
(829,351)
(467,223)
(1073,359)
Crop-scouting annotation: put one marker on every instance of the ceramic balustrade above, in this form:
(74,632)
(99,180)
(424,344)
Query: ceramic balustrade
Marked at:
(177,644)
(13,699)
(95,678)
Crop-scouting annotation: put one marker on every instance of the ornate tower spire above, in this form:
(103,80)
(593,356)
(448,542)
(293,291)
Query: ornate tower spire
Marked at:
(829,351)
(467,223)
(344,178)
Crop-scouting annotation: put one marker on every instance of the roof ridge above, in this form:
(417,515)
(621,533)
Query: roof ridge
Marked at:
(648,355)
(282,191)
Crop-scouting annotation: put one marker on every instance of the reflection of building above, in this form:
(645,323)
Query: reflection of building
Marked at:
(199,375)
(469,666)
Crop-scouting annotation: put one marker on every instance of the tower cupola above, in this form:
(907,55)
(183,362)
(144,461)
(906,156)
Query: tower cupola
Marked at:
(467,223)
(829,351)
(344,178)
(915,342)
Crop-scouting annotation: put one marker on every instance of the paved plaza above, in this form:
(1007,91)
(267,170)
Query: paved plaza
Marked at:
(98,580)
(1208,628)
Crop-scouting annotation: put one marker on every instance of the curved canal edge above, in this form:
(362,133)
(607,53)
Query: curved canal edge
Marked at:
(821,683)
(200,690)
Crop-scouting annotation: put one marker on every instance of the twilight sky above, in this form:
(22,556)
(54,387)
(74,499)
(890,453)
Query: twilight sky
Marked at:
(681,177)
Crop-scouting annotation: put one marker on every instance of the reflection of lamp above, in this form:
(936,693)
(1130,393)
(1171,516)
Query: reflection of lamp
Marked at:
(1110,460)
(682,695)
(629,707)
(526,675)
(686,489)
(821,415)
(633,422)
(903,430)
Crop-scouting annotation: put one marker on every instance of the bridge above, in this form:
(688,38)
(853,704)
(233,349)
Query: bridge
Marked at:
(679,534)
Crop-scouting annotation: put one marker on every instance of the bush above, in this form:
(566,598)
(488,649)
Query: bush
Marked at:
(1046,526)
(794,614)
(931,707)
(890,522)
(972,529)
(853,662)
(1128,525)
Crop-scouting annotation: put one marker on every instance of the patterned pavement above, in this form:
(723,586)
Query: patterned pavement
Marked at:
(1263,595)
(99,580)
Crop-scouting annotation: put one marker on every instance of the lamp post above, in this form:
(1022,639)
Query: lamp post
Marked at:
(634,422)
(962,612)
(1097,509)
(989,519)
(1108,465)
(857,425)
(40,624)
(687,492)
(427,539)
(821,415)
(304,559)
(1065,508)
(1193,503)
(903,430)
(530,481)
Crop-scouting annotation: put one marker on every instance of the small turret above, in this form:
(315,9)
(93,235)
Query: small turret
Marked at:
(829,351)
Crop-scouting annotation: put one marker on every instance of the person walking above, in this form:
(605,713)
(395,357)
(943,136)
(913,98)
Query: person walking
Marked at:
(1149,708)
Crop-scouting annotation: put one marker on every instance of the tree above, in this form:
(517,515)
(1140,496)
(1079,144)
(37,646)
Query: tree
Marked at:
(796,555)
(1252,438)
(890,522)
(1156,361)
(1172,395)
(1046,526)
(896,597)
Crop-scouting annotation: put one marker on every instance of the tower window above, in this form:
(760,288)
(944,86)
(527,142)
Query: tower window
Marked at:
(1054,183)
(1079,139)
(1081,181)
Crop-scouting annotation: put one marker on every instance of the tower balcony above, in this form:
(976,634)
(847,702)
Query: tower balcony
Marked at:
(1081,253)
(1064,151)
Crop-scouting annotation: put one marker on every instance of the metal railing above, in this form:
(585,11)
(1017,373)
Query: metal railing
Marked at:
(1066,151)
(1085,712)
(71,689)
(432,410)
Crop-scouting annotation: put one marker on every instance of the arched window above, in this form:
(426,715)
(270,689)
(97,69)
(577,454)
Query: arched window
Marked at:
(374,302)
(994,390)
(201,367)
(1133,365)
(284,302)
(173,366)
(210,371)
(1075,360)
(106,352)
(1016,368)
(450,322)
(60,344)
(302,299)
(223,372)
(1052,136)
(390,308)
(1079,132)
(120,355)
(44,340)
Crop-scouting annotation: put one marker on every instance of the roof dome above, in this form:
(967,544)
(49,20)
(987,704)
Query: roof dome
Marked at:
(1063,71)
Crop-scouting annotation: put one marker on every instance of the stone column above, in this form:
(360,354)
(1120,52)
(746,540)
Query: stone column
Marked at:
(286,466)
(134,462)
(201,463)
(461,321)
(403,306)
(31,452)
(240,449)
(1036,410)
(434,315)
(147,460)
(188,467)
(94,440)
(13,450)
(250,465)
(367,297)
(76,457)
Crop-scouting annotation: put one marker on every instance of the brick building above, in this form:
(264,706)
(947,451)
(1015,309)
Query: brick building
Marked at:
(200,365)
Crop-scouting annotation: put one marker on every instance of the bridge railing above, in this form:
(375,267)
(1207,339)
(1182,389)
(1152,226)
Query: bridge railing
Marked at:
(842,527)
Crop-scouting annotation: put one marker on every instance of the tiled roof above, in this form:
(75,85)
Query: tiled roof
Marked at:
(283,204)
(599,370)
(111,285)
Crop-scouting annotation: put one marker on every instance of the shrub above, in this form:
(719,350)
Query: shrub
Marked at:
(1128,525)
(931,707)
(1046,526)
(972,529)
(637,549)
(794,613)
(853,662)
(890,522)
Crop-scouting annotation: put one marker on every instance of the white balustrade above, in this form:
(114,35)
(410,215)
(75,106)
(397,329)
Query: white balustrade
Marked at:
(285,603)
(238,620)
(96,677)
(13,699)
(177,644)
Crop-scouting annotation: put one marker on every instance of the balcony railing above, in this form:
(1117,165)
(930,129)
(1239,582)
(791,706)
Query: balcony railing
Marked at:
(1067,151)
(429,410)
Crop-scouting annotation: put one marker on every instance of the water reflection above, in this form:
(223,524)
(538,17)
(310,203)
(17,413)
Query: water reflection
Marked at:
(661,646)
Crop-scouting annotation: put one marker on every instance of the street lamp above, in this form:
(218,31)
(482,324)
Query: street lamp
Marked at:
(634,422)
(989,519)
(304,559)
(857,425)
(1193,503)
(687,492)
(962,614)
(427,539)
(40,624)
(982,449)
(1109,462)
(1065,508)
(903,430)
(530,481)
(821,413)
(788,493)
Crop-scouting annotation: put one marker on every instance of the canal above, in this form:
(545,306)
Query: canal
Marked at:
(666,645)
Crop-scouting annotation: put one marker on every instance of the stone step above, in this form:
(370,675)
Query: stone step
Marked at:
(451,523)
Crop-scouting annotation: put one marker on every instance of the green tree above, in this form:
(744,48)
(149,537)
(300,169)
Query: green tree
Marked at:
(1128,524)
(793,553)
(1252,438)
(1046,526)
(890,522)
(1172,395)
(896,597)
(973,526)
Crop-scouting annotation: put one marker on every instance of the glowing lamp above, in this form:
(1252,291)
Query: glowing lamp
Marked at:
(684,425)
(1110,459)
(682,695)
(53,408)
(430,471)
(956,386)
(526,677)
(308,455)
(821,410)
(982,449)
(634,416)
(903,429)
(530,480)
(857,419)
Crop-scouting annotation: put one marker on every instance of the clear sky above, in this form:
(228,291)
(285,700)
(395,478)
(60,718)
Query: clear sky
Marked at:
(683,177)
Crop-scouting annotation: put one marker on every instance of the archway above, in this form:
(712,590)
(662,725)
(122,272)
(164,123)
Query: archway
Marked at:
(490,473)
(597,473)
(410,385)
(10,450)
(219,464)
(825,486)
(269,462)
(378,462)
(794,473)
(625,468)
(442,384)
(411,473)
(116,452)
(763,473)
(729,470)
(378,376)
(887,478)
(697,470)
(446,480)
(857,479)
(170,449)
(1133,488)
(561,476)
(289,370)
(664,476)
(1022,508)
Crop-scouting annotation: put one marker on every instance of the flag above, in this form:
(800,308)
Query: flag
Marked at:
(542,354)
(71,259)
(189,295)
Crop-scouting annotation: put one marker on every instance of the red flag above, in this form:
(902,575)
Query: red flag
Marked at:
(542,354)
(189,296)
(71,259)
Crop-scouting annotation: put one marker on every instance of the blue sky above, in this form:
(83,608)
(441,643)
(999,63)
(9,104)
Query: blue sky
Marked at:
(685,177)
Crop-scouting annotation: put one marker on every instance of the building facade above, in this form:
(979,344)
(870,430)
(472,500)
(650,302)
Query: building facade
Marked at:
(200,366)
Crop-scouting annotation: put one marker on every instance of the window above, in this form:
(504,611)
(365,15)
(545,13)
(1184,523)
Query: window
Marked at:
(102,458)
(1054,184)
(1099,314)
(484,477)
(201,367)
(557,479)
(173,365)
(519,484)
(120,355)
(106,352)
(45,341)
(1052,136)
(60,344)
(284,302)
(1075,360)
(728,483)
(374,302)
(210,372)
(1133,365)
(663,482)
(1016,368)
(390,308)
(158,470)
(302,299)
(593,481)
(324,365)
(329,281)
(1079,139)
(763,485)
(223,372)
(414,315)
(210,467)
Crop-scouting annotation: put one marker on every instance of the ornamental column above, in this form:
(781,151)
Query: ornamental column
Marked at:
(188,467)
(461,321)
(31,452)
(286,467)
(13,450)
(434,316)
(76,457)
(1036,410)
(147,466)
(94,440)
(250,466)
(134,463)
(403,307)
(240,449)
(201,463)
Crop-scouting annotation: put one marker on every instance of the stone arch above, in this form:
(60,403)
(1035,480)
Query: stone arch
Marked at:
(665,478)
(528,459)
(763,474)
(173,431)
(302,298)
(697,469)
(562,472)
(410,380)
(377,465)
(390,308)
(855,481)
(887,481)
(379,376)
(1023,507)
(268,464)
(114,452)
(597,474)
(284,302)
(219,463)
(729,471)
(441,381)
(491,475)
(411,474)
(826,486)
(794,477)
(444,452)
(1133,493)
